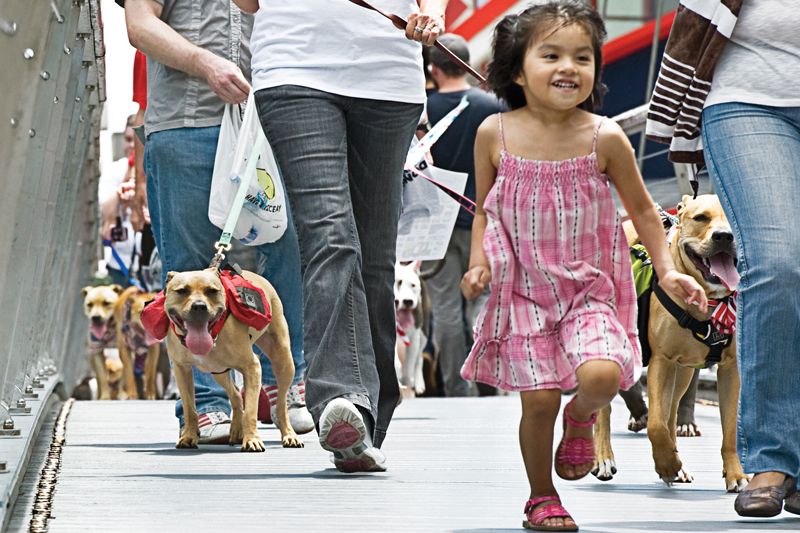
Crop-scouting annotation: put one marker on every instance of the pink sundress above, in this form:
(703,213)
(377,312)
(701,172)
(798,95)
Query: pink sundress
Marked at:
(562,291)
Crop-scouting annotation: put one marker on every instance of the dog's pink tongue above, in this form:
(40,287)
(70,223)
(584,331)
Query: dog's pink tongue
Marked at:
(198,339)
(405,318)
(98,330)
(722,266)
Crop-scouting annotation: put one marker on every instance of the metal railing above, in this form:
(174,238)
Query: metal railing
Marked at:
(51,91)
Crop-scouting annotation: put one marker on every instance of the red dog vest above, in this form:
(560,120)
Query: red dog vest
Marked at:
(242,299)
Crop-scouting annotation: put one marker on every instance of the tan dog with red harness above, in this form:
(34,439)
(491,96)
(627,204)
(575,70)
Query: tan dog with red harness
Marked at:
(201,313)
(682,338)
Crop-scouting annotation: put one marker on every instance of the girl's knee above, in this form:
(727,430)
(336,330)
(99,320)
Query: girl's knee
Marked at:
(599,379)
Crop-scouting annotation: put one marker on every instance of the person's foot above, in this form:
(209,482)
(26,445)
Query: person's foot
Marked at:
(342,431)
(214,427)
(575,453)
(764,494)
(546,513)
(299,416)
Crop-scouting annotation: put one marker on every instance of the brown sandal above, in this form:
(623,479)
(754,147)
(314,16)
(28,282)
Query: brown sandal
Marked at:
(765,501)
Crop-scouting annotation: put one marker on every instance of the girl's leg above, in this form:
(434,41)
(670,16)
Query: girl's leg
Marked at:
(539,412)
(598,383)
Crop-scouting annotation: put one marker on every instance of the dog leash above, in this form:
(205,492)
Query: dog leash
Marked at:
(401,24)
(122,268)
(223,245)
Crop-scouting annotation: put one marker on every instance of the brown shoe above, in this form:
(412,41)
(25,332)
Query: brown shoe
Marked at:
(765,501)
(792,503)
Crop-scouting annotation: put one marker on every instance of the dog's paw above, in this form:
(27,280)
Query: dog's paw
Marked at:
(186,443)
(605,470)
(419,389)
(637,424)
(688,430)
(682,476)
(253,444)
(292,441)
(735,482)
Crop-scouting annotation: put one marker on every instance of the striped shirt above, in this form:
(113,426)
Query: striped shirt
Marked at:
(699,34)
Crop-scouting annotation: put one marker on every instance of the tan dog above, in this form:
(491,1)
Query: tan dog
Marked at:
(133,342)
(194,300)
(703,248)
(114,373)
(98,305)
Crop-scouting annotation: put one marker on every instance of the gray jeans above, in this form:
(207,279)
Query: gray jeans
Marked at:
(450,333)
(342,160)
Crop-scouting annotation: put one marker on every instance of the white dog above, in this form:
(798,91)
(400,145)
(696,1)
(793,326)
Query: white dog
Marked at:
(412,312)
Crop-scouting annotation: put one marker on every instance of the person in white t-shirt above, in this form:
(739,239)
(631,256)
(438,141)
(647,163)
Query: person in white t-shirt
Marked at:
(340,91)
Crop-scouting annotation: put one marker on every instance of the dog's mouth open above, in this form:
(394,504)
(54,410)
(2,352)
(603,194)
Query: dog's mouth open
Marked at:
(405,318)
(198,337)
(719,268)
(98,329)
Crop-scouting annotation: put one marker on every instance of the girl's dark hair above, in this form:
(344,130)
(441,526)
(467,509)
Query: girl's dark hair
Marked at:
(514,34)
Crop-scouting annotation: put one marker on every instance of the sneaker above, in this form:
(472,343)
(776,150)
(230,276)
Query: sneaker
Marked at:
(343,432)
(299,416)
(214,428)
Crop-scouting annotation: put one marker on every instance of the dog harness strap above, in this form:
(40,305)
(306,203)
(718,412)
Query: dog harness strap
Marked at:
(704,331)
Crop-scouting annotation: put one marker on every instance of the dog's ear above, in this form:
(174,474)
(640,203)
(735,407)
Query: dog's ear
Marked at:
(170,275)
(85,291)
(417,266)
(117,288)
(683,202)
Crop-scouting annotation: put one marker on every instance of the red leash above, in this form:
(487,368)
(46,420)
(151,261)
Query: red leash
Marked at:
(401,23)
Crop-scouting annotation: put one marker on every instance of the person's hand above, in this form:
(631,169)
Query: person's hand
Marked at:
(225,79)
(425,27)
(686,288)
(474,281)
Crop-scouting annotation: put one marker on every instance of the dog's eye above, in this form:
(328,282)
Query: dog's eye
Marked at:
(183,291)
(211,291)
(701,218)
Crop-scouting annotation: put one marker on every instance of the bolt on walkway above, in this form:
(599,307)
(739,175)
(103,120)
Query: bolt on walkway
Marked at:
(454,466)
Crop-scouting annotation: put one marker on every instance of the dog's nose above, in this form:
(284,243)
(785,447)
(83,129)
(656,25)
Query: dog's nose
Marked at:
(97,319)
(408,303)
(199,306)
(722,236)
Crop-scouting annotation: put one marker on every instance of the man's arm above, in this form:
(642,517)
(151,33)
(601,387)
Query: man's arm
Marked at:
(154,37)
(248,6)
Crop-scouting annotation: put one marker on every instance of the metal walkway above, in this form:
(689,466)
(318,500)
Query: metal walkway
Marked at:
(454,466)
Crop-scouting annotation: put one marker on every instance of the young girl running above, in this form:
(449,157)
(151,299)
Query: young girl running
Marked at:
(562,310)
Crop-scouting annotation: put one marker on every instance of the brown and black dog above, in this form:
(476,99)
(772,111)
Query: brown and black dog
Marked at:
(702,247)
(98,305)
(193,302)
(135,343)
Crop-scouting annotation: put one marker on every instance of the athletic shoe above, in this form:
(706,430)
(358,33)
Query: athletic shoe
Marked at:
(214,428)
(299,416)
(343,432)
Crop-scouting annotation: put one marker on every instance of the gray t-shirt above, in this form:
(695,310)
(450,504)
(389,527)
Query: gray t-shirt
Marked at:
(177,100)
(761,62)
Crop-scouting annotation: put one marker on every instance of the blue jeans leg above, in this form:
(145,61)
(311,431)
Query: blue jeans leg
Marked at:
(342,161)
(179,164)
(753,157)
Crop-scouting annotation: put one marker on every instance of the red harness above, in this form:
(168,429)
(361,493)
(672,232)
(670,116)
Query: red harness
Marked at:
(243,300)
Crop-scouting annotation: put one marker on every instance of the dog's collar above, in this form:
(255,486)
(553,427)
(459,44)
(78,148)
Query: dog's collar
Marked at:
(214,327)
(702,330)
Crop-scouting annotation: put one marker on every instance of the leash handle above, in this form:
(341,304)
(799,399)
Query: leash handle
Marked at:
(401,23)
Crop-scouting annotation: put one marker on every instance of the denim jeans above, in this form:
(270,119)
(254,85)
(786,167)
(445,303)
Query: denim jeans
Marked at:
(753,157)
(342,161)
(179,164)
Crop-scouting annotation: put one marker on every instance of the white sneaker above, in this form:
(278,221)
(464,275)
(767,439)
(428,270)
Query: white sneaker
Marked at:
(299,416)
(214,428)
(343,432)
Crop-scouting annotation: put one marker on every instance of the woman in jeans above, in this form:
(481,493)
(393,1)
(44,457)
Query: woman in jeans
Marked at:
(751,139)
(340,91)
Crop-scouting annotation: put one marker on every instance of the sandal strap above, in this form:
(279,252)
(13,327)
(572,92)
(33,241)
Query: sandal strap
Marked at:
(533,502)
(577,423)
(537,515)
(576,451)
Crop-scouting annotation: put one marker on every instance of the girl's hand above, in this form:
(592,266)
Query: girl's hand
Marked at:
(684,287)
(474,281)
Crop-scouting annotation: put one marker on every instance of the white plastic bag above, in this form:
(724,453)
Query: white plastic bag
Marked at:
(263,218)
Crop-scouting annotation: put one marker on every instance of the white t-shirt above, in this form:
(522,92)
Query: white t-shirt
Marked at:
(337,47)
(761,63)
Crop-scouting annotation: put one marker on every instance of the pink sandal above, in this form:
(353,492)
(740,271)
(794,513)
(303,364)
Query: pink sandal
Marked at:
(575,451)
(535,516)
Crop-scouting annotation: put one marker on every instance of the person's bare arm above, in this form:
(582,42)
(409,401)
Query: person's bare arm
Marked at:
(430,19)
(248,6)
(479,273)
(148,33)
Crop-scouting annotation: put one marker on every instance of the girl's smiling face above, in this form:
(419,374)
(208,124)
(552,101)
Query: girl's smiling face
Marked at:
(558,69)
